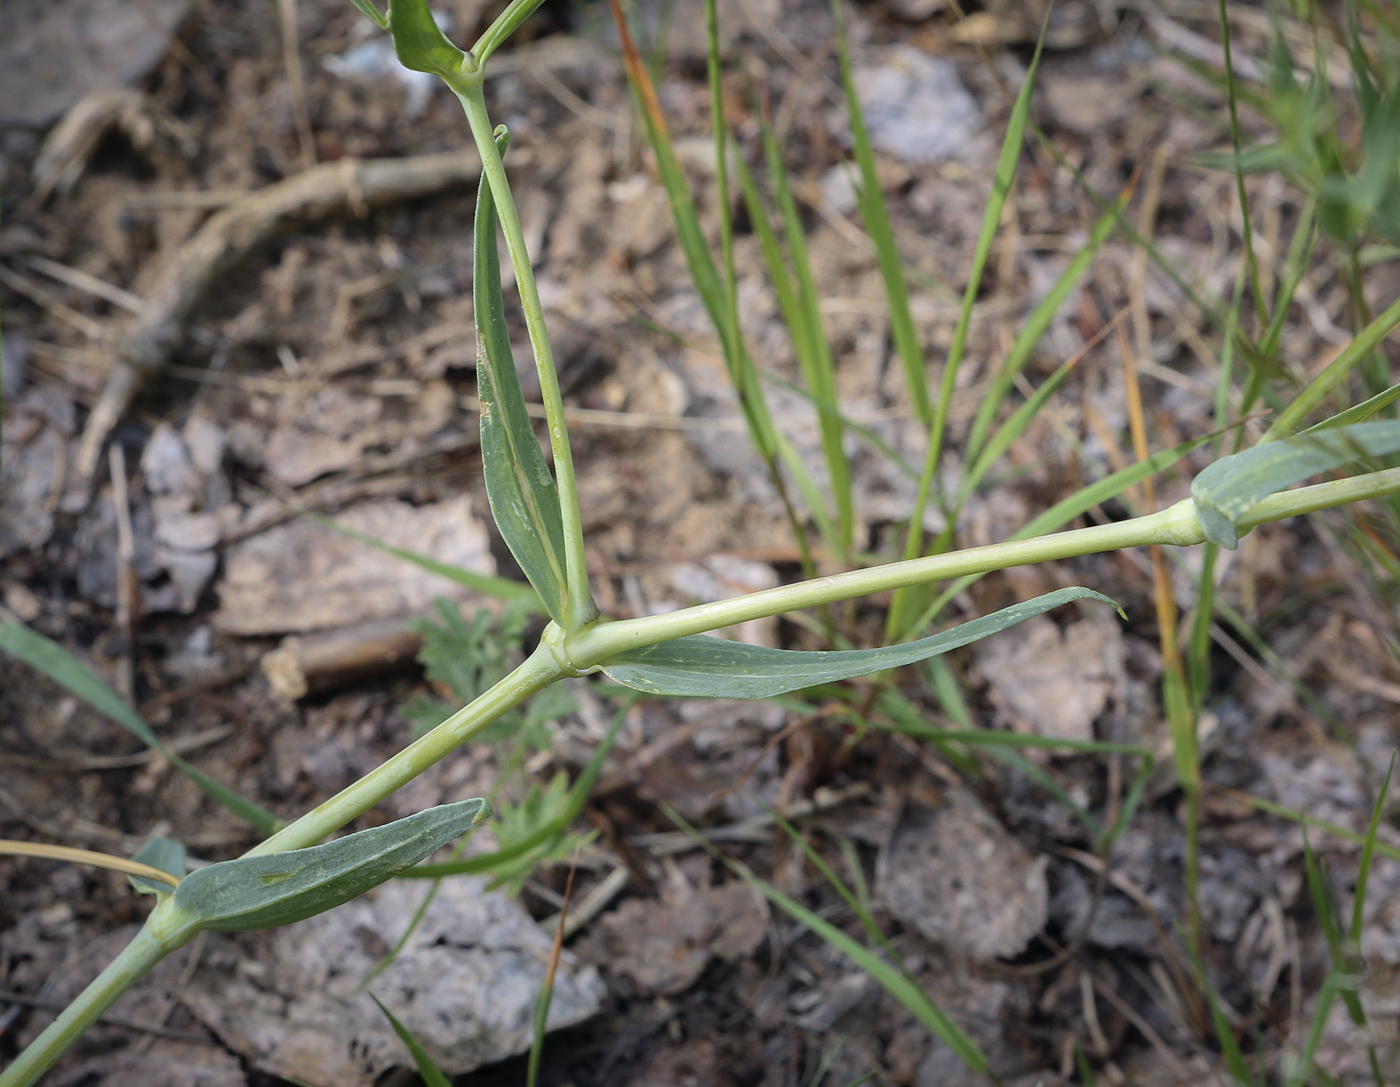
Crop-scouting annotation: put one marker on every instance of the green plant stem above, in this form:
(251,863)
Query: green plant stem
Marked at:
(538,671)
(580,609)
(163,933)
(1177,525)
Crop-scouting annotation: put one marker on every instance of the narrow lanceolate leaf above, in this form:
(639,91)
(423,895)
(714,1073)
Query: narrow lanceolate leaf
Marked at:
(418,41)
(1226,491)
(62,667)
(706,667)
(276,889)
(524,499)
(428,1070)
(162,853)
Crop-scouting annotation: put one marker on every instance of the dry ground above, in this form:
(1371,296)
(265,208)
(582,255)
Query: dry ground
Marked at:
(333,365)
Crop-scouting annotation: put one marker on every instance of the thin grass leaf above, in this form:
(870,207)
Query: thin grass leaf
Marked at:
(499,588)
(904,716)
(1036,325)
(419,42)
(63,668)
(1359,413)
(1352,948)
(1031,772)
(1295,266)
(860,430)
(873,212)
(991,217)
(1340,368)
(394,952)
(1226,490)
(1013,428)
(913,998)
(855,902)
(274,889)
(1230,98)
(432,1075)
(1337,981)
(540,1022)
(801,310)
(697,253)
(977,737)
(720,301)
(1198,646)
(1230,1045)
(523,496)
(1269,807)
(707,667)
(1368,856)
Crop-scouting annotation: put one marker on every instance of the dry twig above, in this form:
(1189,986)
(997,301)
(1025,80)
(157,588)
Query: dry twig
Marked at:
(228,236)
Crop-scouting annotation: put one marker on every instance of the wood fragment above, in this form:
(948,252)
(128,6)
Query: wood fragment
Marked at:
(228,236)
(312,663)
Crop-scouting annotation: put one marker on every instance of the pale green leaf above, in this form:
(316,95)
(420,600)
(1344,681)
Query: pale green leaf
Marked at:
(269,890)
(162,853)
(708,667)
(524,498)
(418,41)
(1229,488)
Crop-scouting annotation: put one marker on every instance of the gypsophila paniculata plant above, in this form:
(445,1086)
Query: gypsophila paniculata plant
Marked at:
(294,874)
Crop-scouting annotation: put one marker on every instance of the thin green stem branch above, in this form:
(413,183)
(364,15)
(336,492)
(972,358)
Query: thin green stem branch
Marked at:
(1175,525)
(1178,525)
(580,609)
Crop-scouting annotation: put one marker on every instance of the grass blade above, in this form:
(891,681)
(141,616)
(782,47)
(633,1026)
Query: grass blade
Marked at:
(524,499)
(718,296)
(991,217)
(1036,326)
(871,201)
(1270,807)
(501,588)
(433,1076)
(801,309)
(1340,368)
(62,667)
(890,979)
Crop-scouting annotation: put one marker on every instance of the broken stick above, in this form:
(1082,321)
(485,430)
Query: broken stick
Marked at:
(229,235)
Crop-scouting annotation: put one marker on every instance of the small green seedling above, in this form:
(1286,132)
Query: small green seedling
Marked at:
(290,875)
